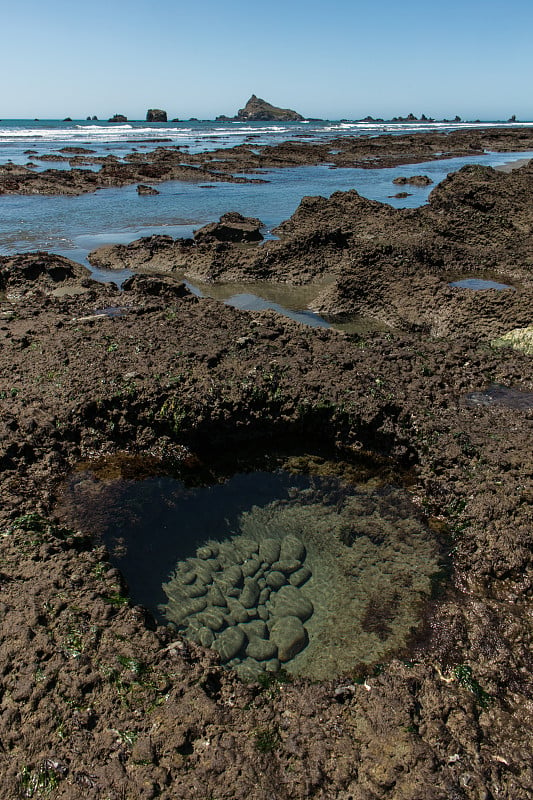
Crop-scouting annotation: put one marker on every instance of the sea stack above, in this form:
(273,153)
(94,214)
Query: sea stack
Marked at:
(156,115)
(257,109)
(118,118)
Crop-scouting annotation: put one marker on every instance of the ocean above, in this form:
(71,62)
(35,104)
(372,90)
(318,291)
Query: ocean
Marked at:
(72,226)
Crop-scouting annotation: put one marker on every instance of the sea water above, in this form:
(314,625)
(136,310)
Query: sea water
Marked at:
(73,226)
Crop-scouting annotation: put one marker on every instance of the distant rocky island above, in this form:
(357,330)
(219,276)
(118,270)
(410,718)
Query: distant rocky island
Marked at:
(258,110)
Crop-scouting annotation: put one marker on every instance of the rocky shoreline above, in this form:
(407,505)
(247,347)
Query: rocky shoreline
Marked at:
(241,163)
(97,698)
(392,266)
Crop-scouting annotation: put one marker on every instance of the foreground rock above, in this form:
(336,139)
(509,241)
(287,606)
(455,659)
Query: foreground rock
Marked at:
(98,700)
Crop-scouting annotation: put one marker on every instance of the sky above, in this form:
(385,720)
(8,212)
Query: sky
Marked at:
(345,59)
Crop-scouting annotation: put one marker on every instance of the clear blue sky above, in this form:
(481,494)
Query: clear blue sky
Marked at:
(348,58)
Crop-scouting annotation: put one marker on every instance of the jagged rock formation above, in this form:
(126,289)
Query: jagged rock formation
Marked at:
(257,109)
(118,118)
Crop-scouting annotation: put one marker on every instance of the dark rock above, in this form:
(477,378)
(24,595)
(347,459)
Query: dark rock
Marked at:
(156,286)
(257,109)
(414,180)
(143,188)
(118,118)
(45,269)
(156,115)
(233,227)
(67,119)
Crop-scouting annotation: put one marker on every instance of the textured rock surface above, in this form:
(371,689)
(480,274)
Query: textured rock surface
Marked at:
(156,115)
(86,676)
(259,110)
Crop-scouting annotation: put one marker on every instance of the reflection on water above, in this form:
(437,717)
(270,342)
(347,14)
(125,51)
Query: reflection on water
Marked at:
(497,395)
(289,300)
(300,568)
(479,284)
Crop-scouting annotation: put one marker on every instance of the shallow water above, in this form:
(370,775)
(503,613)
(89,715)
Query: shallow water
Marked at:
(290,301)
(497,395)
(72,226)
(479,284)
(306,570)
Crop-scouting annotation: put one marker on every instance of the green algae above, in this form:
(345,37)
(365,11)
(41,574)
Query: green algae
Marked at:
(519,339)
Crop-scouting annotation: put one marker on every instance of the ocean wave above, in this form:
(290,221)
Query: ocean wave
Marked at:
(103,128)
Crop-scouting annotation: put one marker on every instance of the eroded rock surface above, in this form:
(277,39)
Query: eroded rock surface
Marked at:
(391,265)
(96,698)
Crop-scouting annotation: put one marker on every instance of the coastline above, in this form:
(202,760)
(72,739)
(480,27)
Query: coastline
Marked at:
(97,697)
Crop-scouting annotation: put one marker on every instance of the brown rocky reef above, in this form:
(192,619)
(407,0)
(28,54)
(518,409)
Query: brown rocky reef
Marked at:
(97,700)
(394,266)
(231,164)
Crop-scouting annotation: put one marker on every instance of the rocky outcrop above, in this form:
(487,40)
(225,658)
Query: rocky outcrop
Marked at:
(156,115)
(143,188)
(258,110)
(232,227)
(118,118)
(415,180)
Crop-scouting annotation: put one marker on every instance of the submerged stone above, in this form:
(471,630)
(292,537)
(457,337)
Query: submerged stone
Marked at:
(287,565)
(254,629)
(292,549)
(250,567)
(229,642)
(212,619)
(250,593)
(269,550)
(206,637)
(276,579)
(261,649)
(290,602)
(237,611)
(300,577)
(290,636)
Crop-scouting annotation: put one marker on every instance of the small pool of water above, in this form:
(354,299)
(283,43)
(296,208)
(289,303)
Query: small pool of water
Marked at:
(289,301)
(479,284)
(312,566)
(497,395)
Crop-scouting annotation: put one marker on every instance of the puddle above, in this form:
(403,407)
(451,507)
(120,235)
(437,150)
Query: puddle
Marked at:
(289,301)
(111,311)
(318,568)
(497,395)
(479,284)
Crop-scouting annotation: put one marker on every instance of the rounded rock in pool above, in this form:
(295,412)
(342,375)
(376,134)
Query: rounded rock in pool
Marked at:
(318,587)
(248,613)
